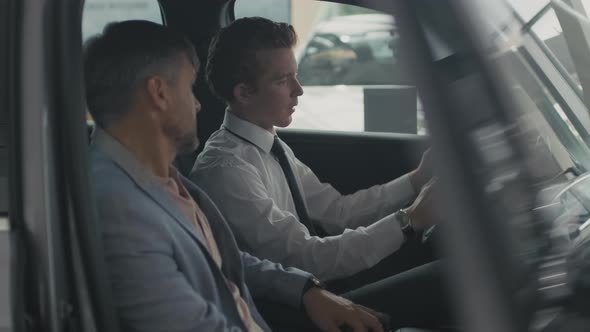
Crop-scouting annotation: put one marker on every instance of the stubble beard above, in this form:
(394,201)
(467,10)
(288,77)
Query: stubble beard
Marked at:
(186,143)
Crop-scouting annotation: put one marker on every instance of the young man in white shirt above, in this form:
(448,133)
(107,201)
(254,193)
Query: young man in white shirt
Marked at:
(252,67)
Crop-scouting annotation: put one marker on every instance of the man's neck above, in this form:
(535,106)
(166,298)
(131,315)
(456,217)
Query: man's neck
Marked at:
(147,144)
(243,114)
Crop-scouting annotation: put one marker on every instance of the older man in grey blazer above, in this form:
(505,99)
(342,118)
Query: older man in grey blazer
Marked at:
(172,260)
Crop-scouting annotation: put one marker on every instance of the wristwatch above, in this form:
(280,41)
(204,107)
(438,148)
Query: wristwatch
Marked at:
(403,217)
(311,283)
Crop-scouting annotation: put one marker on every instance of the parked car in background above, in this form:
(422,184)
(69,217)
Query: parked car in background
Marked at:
(351,50)
(347,63)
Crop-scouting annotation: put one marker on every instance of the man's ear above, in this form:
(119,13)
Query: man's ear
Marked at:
(158,92)
(243,93)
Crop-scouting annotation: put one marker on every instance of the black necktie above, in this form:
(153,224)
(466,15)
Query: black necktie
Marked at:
(279,152)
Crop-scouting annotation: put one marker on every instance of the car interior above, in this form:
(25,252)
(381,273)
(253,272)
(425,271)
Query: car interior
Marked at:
(505,184)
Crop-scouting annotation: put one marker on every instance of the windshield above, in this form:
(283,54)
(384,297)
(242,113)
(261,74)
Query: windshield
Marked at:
(528,104)
(542,46)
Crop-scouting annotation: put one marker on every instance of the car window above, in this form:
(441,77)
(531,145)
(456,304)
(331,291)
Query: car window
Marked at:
(276,10)
(362,55)
(349,67)
(98,13)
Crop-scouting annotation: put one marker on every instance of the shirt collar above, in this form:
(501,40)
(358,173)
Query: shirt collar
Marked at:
(248,131)
(125,158)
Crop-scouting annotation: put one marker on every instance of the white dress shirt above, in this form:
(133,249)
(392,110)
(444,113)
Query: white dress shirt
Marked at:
(238,171)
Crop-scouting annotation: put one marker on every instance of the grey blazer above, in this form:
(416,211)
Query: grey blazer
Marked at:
(162,276)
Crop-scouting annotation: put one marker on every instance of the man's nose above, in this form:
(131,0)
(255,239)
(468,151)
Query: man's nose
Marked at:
(298,91)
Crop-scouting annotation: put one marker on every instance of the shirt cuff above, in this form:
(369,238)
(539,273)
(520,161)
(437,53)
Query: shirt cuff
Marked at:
(294,281)
(386,237)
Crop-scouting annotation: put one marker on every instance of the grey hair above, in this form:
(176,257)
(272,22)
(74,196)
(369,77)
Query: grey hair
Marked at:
(118,61)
